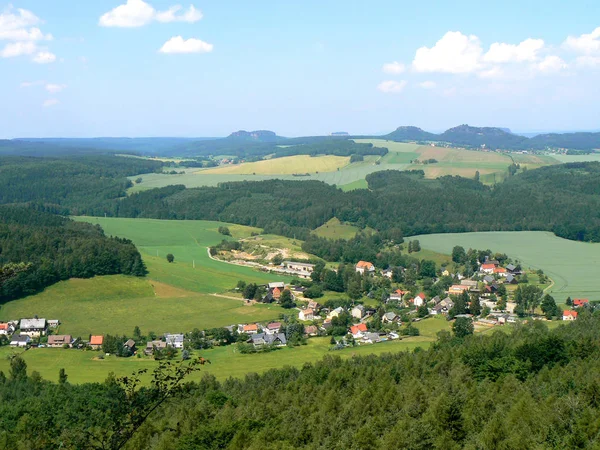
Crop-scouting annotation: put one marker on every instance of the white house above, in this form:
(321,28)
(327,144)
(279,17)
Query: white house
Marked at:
(272,328)
(6,329)
(487,268)
(358,312)
(358,331)
(174,340)
(420,300)
(33,327)
(365,266)
(20,341)
(569,315)
(306,314)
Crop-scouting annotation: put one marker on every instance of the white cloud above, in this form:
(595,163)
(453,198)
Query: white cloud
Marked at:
(50,102)
(428,84)
(587,61)
(527,50)
(391,86)
(137,13)
(44,57)
(586,43)
(17,26)
(394,68)
(179,45)
(492,72)
(190,16)
(54,88)
(550,64)
(18,49)
(453,53)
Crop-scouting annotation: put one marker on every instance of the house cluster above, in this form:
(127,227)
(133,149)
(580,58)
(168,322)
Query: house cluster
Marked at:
(571,314)
(23,332)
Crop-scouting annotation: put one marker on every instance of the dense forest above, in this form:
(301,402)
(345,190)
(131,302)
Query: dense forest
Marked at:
(562,199)
(533,388)
(69,185)
(55,248)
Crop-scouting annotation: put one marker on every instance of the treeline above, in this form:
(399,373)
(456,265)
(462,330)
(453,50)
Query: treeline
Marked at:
(56,248)
(532,388)
(562,199)
(74,185)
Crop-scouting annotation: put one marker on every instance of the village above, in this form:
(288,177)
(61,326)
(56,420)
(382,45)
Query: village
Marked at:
(353,323)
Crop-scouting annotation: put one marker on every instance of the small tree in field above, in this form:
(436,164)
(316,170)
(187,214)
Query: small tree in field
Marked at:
(170,257)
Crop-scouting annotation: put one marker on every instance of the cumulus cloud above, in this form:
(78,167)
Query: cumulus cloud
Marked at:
(505,53)
(550,64)
(393,68)
(586,43)
(137,13)
(587,61)
(50,102)
(18,49)
(179,45)
(54,88)
(428,85)
(18,27)
(391,86)
(453,53)
(44,57)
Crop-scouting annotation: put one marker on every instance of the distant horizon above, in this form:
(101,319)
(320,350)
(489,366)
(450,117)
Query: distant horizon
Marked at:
(380,134)
(168,68)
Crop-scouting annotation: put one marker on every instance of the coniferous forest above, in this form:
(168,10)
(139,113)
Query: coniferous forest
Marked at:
(533,388)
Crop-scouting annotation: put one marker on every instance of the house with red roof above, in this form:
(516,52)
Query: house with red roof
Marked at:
(96,341)
(358,330)
(501,271)
(579,302)
(306,314)
(487,268)
(250,328)
(365,266)
(569,315)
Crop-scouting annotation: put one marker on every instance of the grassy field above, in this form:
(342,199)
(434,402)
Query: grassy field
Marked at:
(187,240)
(84,366)
(334,229)
(358,184)
(116,304)
(175,296)
(285,165)
(573,266)
(577,158)
(441,259)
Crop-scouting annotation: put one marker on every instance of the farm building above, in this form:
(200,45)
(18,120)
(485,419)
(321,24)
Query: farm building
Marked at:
(59,340)
(20,341)
(301,268)
(152,346)
(96,341)
(33,327)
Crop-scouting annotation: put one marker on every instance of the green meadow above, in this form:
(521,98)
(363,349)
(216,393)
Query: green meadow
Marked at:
(84,366)
(116,304)
(572,266)
(187,240)
(334,229)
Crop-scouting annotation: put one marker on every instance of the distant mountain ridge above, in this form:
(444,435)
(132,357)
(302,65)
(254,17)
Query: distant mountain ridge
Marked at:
(495,138)
(254,136)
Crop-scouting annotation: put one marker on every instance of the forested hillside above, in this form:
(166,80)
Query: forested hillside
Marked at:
(498,139)
(69,185)
(533,388)
(562,199)
(57,248)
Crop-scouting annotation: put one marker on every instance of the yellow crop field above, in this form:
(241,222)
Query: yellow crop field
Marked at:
(285,165)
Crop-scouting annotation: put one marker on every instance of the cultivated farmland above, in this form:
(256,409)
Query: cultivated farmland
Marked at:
(285,165)
(571,265)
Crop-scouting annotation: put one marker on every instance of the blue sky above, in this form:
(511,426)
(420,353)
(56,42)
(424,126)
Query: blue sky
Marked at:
(146,68)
